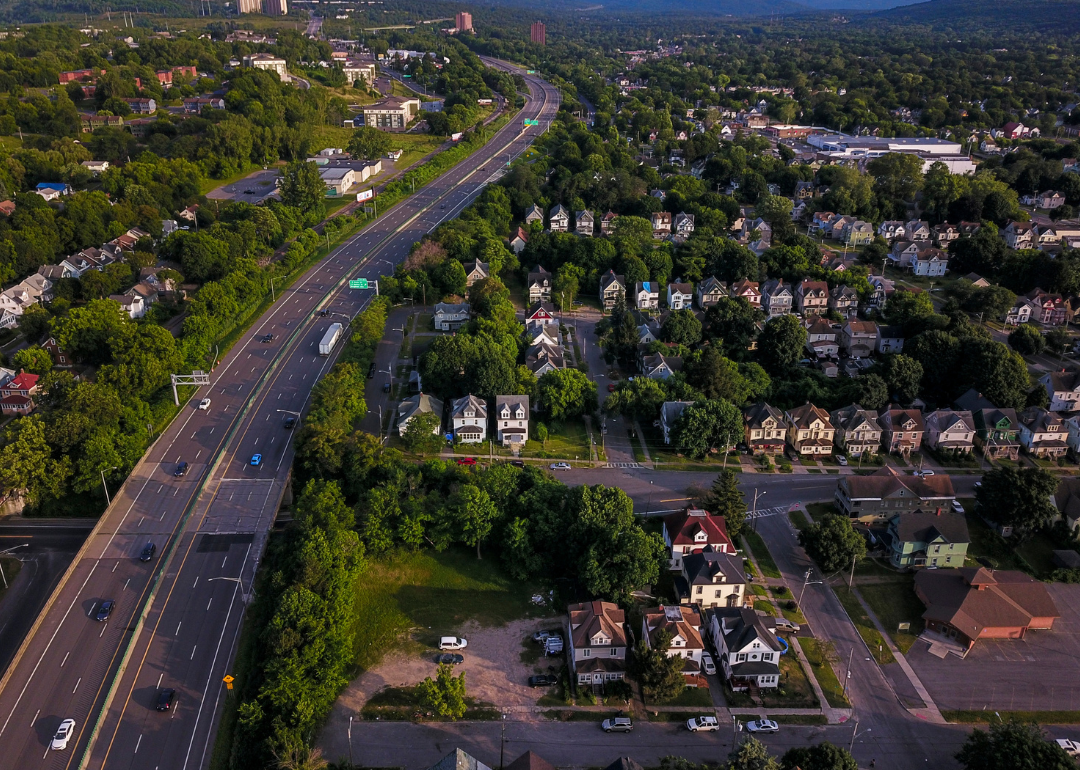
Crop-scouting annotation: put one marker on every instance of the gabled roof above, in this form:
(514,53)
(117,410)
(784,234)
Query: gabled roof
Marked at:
(461,404)
(887,482)
(701,568)
(1067,380)
(682,527)
(539,309)
(755,415)
(928,527)
(530,761)
(744,627)
(803,416)
(711,285)
(974,600)
(609,278)
(896,418)
(854,417)
(683,621)
(590,618)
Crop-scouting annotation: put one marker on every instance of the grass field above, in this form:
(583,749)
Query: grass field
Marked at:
(566,441)
(794,690)
(761,554)
(827,680)
(881,652)
(1041,717)
(692,696)
(895,602)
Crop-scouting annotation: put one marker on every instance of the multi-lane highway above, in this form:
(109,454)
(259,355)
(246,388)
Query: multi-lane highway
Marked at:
(177,616)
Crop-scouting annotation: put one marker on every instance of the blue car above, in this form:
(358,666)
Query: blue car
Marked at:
(256,460)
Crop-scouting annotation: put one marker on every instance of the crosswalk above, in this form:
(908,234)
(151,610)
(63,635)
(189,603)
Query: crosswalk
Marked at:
(761,513)
(624,465)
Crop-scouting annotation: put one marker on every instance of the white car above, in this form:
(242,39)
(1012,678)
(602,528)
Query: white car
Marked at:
(560,466)
(703,724)
(204,404)
(63,735)
(762,726)
(956,506)
(787,625)
(841,460)
(452,643)
(1072,748)
(707,664)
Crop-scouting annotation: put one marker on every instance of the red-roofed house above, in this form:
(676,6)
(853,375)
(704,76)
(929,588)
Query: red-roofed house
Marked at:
(16,395)
(598,642)
(690,531)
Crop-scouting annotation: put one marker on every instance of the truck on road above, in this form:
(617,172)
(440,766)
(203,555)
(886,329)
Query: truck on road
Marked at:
(330,339)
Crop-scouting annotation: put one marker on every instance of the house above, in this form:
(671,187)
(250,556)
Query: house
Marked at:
(449,317)
(747,290)
(711,578)
(196,104)
(1019,235)
(338,180)
(539,314)
(646,332)
(902,430)
(512,420)
(885,492)
(997,431)
(50,191)
(527,761)
(60,357)
(977,280)
(647,295)
(844,300)
(1049,309)
(1043,433)
(469,417)
(421,403)
(709,292)
(133,306)
(1066,497)
(17,394)
(890,339)
(682,625)
(891,230)
(949,430)
(972,603)
(188,214)
(810,432)
(584,223)
(837,225)
(765,429)
(543,358)
(141,106)
(917,230)
(539,285)
(95,167)
(476,271)
(542,334)
(691,531)
(534,214)
(903,252)
(607,223)
(858,233)
(944,234)
(812,297)
(930,263)
(821,339)
(597,642)
(747,646)
(928,539)
(519,241)
(559,219)
(857,430)
(1050,199)
(858,339)
(1063,388)
(1021,312)
(670,412)
(661,224)
(1045,236)
(612,290)
(881,288)
(684,225)
(680,295)
(776,298)
(804,190)
(659,366)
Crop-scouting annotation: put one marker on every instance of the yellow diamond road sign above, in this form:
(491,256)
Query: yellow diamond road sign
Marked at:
(228,680)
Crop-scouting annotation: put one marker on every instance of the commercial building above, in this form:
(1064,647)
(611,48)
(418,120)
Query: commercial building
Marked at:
(359,69)
(275,7)
(264,61)
(463,21)
(250,6)
(394,113)
(931,150)
(538,33)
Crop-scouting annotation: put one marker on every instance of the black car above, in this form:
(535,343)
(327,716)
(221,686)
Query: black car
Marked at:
(148,552)
(518,463)
(449,657)
(181,469)
(289,422)
(371,370)
(268,338)
(165,700)
(104,610)
(543,680)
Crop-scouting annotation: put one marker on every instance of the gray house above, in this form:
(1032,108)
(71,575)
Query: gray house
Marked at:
(449,317)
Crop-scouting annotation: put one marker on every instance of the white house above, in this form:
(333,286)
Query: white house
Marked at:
(1063,388)
(133,305)
(683,626)
(647,295)
(419,404)
(469,416)
(512,420)
(670,413)
(747,645)
(679,295)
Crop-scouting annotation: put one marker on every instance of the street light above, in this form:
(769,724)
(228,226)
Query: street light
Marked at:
(9,550)
(807,581)
(350,742)
(108,502)
(244,596)
(856,734)
(753,514)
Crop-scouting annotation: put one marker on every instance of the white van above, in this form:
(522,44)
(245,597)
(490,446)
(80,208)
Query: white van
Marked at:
(452,643)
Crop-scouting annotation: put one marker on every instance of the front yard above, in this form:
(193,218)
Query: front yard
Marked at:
(567,440)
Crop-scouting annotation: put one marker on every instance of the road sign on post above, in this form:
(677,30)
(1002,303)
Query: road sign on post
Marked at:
(531,122)
(358,283)
(228,680)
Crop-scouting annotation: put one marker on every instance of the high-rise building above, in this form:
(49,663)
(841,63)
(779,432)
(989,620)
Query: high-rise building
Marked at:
(463,21)
(538,33)
(250,6)
(275,7)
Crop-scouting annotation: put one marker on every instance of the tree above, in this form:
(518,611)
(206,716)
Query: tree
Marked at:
(995,371)
(34,322)
(903,376)
(475,513)
(302,187)
(751,754)
(368,143)
(564,393)
(873,392)
(821,756)
(660,676)
(681,327)
(897,177)
(705,426)
(1012,746)
(640,399)
(422,433)
(541,434)
(1027,340)
(832,542)
(904,307)
(781,344)
(34,360)
(732,322)
(726,499)
(445,694)
(774,209)
(1019,498)
(26,464)
(566,284)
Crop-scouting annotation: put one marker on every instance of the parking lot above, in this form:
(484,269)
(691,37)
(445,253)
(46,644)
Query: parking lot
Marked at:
(251,189)
(1039,673)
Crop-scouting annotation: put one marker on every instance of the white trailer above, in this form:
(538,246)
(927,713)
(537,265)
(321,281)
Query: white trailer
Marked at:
(330,339)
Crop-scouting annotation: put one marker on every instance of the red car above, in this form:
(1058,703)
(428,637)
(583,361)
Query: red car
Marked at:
(467,461)
(611,387)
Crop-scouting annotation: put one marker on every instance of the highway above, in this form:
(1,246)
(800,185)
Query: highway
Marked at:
(177,617)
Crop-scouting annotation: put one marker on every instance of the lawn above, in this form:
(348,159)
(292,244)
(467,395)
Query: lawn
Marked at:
(1040,717)
(402,704)
(765,606)
(815,651)
(1038,552)
(565,441)
(895,602)
(987,544)
(881,652)
(639,455)
(798,519)
(691,696)
(794,690)
(761,554)
(818,510)
(436,592)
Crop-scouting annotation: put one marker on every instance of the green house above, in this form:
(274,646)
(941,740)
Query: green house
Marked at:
(928,540)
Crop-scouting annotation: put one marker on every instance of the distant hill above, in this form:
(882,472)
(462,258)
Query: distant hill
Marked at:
(1058,15)
(706,8)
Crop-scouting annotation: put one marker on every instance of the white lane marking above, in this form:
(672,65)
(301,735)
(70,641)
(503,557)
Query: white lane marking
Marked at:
(223,562)
(209,603)
(103,631)
(197,454)
(115,566)
(126,584)
(77,685)
(193,652)
(196,581)
(34,720)
(178,628)
(66,656)
(159,678)
(160,488)
(138,743)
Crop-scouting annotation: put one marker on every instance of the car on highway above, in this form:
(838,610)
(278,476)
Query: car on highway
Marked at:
(702,724)
(104,610)
(957,506)
(707,664)
(617,725)
(256,460)
(543,680)
(165,700)
(762,726)
(452,643)
(268,338)
(289,422)
(204,404)
(181,469)
(466,461)
(148,552)
(63,735)
(560,466)
(451,658)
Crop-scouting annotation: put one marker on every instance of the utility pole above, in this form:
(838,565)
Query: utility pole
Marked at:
(753,514)
(851,577)
(847,677)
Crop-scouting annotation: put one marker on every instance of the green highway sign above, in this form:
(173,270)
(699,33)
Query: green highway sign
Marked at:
(358,283)
(530,72)
(531,122)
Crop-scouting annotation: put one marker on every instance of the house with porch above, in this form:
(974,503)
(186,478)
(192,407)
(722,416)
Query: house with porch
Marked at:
(927,539)
(776,298)
(857,430)
(747,646)
(612,290)
(476,271)
(858,339)
(902,430)
(469,417)
(449,316)
(682,625)
(812,297)
(1063,388)
(748,290)
(539,285)
(810,432)
(692,530)
(647,295)
(951,431)
(711,578)
(844,300)
(1043,433)
(765,429)
(512,420)
(559,219)
(597,642)
(680,295)
(710,291)
(997,431)
(875,498)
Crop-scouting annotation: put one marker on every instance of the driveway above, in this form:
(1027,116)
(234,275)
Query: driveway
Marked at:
(1038,673)
(620,451)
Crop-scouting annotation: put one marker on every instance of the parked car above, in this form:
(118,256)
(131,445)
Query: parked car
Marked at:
(63,735)
(553,645)
(452,643)
(467,461)
(518,463)
(786,625)
(749,577)
(165,700)
(841,460)
(543,680)
(204,405)
(289,422)
(104,610)
(617,725)
(978,485)
(543,636)
(1072,748)
(956,506)
(148,552)
(762,726)
(371,370)
(702,724)
(707,664)
(560,466)
(181,469)
(386,387)
(611,387)
(256,460)
(451,658)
